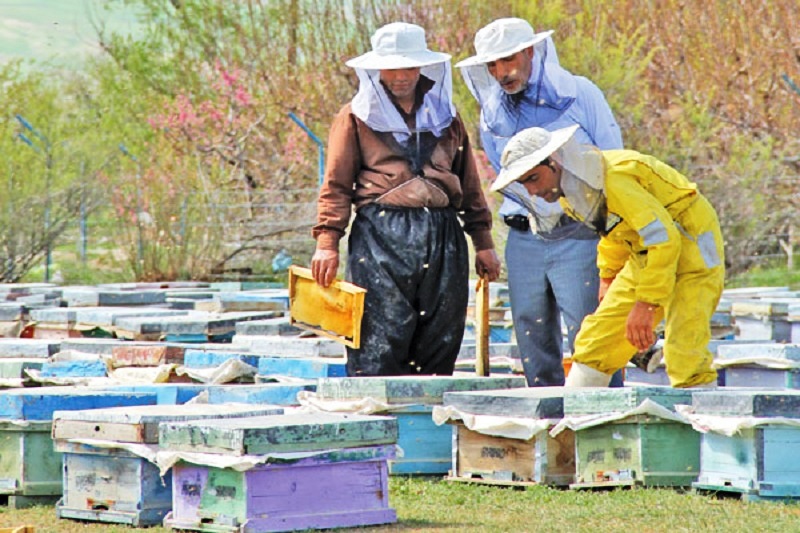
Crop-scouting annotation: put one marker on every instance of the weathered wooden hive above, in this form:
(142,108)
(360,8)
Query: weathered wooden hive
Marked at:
(645,447)
(427,448)
(30,469)
(109,469)
(286,472)
(502,437)
(751,443)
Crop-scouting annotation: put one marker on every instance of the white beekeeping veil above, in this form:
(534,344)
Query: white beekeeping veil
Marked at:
(398,46)
(549,86)
(582,175)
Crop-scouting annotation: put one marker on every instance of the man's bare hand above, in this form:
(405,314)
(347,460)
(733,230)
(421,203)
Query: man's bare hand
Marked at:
(487,262)
(639,328)
(605,284)
(324,265)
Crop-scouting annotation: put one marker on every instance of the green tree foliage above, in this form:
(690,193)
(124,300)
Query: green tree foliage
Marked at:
(49,160)
(219,175)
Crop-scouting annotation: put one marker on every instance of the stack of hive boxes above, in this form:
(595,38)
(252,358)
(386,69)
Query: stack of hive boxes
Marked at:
(279,473)
(109,459)
(426,447)
(501,436)
(750,441)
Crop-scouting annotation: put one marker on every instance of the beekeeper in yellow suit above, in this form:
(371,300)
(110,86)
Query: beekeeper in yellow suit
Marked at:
(660,254)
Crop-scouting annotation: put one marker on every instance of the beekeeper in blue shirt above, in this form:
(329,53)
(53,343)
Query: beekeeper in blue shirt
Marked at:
(552,272)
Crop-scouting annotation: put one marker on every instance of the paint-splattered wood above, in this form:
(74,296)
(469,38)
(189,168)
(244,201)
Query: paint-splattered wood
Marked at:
(409,389)
(114,487)
(140,423)
(77,368)
(760,377)
(535,402)
(96,296)
(265,300)
(775,329)
(14,367)
(758,461)
(272,326)
(742,402)
(11,312)
(603,400)
(166,393)
(333,311)
(427,448)
(29,466)
(152,355)
(302,367)
(283,346)
(283,433)
(28,348)
(196,327)
(498,460)
(271,393)
(772,350)
(96,316)
(342,488)
(759,308)
(40,403)
(635,376)
(643,450)
(213,358)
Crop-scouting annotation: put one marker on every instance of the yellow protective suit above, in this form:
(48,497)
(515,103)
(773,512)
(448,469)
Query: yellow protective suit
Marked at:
(666,250)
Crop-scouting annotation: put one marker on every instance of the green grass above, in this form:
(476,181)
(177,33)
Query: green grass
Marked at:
(768,276)
(428,504)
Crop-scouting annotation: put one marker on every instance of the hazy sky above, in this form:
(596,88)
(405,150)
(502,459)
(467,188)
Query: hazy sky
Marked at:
(60,29)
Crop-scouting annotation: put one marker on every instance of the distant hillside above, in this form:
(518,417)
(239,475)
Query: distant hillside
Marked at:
(61,30)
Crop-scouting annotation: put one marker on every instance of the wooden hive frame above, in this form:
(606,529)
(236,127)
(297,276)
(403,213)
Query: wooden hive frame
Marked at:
(334,312)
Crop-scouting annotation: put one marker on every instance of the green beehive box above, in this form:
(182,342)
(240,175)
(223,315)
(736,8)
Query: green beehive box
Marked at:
(279,433)
(639,450)
(425,390)
(30,472)
(586,401)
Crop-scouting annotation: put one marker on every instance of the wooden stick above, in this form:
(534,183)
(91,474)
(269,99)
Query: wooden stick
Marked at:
(482,327)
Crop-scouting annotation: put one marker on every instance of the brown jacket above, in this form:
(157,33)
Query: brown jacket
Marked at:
(365,166)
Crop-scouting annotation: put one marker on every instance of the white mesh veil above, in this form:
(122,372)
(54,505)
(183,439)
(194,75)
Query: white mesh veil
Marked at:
(582,185)
(374,107)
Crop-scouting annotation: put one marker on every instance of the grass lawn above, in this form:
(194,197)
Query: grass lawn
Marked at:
(429,504)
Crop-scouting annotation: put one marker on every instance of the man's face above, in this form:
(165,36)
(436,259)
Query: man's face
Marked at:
(401,82)
(512,72)
(543,181)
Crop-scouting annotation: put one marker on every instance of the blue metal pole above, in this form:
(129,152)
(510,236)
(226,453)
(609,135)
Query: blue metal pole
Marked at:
(318,141)
(140,244)
(48,175)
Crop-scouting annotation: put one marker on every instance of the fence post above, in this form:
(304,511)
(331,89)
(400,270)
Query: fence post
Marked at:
(318,141)
(83,225)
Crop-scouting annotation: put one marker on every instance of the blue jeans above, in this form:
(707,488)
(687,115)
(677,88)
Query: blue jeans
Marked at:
(548,280)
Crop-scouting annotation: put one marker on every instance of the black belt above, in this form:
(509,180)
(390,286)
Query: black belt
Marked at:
(519,222)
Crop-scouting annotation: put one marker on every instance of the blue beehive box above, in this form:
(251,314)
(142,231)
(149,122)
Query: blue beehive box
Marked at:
(30,469)
(111,483)
(272,393)
(212,358)
(757,462)
(303,367)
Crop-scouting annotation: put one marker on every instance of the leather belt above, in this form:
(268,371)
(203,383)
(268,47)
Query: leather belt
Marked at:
(519,222)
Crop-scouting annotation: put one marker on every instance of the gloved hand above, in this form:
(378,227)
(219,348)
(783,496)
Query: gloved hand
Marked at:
(324,265)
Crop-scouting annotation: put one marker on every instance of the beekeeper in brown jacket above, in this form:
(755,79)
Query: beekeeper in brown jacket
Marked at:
(399,154)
